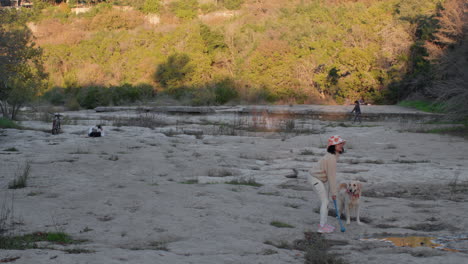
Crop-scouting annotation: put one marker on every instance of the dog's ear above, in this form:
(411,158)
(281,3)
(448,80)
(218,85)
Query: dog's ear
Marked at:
(359,185)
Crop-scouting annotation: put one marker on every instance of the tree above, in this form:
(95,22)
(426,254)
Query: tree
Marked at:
(21,70)
(448,52)
(173,74)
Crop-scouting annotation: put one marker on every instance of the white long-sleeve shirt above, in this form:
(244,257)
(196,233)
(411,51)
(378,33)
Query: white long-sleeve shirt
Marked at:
(325,171)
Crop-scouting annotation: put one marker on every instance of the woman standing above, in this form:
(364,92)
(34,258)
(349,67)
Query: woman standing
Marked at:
(323,178)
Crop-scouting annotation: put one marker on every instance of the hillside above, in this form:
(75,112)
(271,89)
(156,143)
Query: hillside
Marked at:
(290,51)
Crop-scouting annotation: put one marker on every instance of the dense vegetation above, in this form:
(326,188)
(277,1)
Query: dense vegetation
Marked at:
(212,52)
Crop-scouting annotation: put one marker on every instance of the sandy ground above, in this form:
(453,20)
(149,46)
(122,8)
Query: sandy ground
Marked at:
(159,195)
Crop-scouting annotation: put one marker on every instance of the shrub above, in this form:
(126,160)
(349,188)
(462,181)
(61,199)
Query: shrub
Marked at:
(213,40)
(172,73)
(225,91)
(55,96)
(185,9)
(115,19)
(91,97)
(28,241)
(199,96)
(7,123)
(232,4)
(152,6)
(72,104)
(125,93)
(207,8)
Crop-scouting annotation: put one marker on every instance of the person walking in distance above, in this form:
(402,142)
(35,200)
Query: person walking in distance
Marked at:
(357,111)
(323,178)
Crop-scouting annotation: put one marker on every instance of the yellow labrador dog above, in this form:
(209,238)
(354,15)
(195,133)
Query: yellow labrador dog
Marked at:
(349,195)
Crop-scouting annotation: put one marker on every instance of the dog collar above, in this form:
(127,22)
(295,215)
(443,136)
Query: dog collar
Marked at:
(352,194)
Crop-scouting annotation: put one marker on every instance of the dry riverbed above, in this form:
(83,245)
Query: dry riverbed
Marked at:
(162,188)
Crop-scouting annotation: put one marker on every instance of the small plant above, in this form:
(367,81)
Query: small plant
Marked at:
(170,133)
(11,149)
(269,252)
(249,182)
(295,206)
(29,241)
(114,157)
(411,161)
(270,193)
(7,123)
(390,146)
(78,251)
(219,172)
(59,237)
(5,215)
(159,245)
(280,224)
(34,193)
(457,186)
(282,244)
(307,152)
(21,178)
(192,181)
(86,229)
(80,151)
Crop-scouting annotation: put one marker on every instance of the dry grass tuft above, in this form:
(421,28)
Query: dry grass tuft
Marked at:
(21,177)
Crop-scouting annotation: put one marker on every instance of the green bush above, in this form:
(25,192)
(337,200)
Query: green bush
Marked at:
(185,9)
(93,96)
(213,40)
(171,75)
(145,91)
(7,123)
(128,93)
(115,20)
(72,104)
(199,96)
(55,96)
(97,9)
(232,4)
(225,91)
(125,93)
(208,8)
(152,6)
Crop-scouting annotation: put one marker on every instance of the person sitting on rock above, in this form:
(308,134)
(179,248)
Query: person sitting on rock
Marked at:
(96,131)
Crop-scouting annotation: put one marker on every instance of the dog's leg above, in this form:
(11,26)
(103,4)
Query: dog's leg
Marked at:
(348,215)
(340,205)
(357,215)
